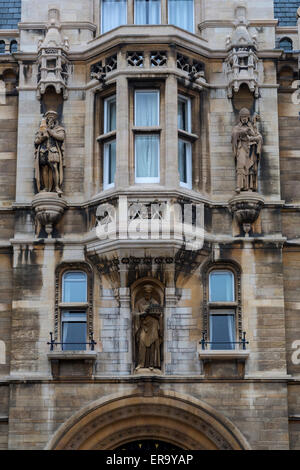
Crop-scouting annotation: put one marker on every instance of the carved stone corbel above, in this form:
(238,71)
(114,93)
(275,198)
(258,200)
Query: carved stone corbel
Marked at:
(49,208)
(246,208)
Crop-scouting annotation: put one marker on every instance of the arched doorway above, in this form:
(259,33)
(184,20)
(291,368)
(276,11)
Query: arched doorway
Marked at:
(170,418)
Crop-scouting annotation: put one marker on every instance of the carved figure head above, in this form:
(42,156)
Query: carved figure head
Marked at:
(244,115)
(148,291)
(51,118)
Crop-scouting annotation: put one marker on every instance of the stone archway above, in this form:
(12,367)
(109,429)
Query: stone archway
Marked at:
(173,418)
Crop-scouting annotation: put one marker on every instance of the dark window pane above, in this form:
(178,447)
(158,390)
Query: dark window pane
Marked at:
(221,286)
(286,44)
(74,287)
(222,328)
(74,331)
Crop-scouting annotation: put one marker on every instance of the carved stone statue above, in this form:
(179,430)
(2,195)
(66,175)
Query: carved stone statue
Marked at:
(148,331)
(247,147)
(49,154)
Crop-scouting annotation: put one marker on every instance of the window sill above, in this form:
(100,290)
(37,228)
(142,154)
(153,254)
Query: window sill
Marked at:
(72,355)
(187,135)
(107,136)
(146,130)
(225,354)
(72,364)
(70,305)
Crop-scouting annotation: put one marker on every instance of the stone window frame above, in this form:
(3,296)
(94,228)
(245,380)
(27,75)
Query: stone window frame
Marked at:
(236,305)
(153,85)
(102,137)
(61,306)
(197,15)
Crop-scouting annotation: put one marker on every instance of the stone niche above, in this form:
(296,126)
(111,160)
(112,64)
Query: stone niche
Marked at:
(147,300)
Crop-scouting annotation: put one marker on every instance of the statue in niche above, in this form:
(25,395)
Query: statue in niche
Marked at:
(49,154)
(148,331)
(247,147)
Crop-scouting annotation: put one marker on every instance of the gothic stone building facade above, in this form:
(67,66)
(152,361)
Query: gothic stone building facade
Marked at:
(117,116)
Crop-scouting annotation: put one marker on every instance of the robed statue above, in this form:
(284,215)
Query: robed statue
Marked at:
(148,331)
(49,154)
(247,147)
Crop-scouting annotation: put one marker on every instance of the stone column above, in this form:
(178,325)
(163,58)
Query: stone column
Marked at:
(171,133)
(122,172)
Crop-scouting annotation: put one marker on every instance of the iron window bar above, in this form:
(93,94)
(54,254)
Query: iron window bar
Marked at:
(53,343)
(204,343)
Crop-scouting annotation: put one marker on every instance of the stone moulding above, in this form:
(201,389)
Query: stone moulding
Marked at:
(246,207)
(49,208)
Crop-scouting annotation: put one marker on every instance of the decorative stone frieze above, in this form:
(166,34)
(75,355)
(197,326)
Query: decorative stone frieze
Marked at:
(53,63)
(100,69)
(49,208)
(135,59)
(158,58)
(246,208)
(242,65)
(193,67)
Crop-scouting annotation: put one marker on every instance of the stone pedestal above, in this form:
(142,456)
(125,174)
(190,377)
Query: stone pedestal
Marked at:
(49,208)
(246,207)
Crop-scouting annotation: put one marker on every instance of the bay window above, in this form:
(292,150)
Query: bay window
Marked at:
(181,14)
(222,306)
(147,11)
(147,139)
(113,14)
